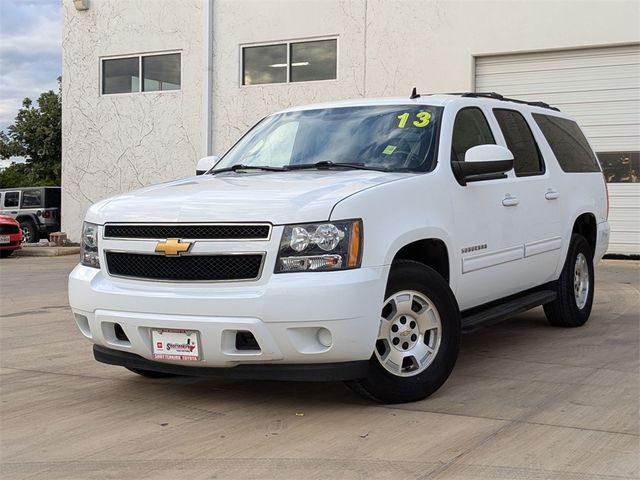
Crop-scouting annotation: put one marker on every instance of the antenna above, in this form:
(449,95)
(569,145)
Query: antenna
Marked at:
(414,94)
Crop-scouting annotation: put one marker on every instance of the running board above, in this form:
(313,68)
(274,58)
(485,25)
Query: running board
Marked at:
(497,313)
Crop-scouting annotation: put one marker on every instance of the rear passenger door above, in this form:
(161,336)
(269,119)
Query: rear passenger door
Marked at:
(539,197)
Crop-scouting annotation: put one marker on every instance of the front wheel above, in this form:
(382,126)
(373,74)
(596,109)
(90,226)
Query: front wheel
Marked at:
(574,291)
(418,339)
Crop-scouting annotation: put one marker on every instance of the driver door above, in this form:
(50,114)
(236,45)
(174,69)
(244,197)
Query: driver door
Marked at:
(487,221)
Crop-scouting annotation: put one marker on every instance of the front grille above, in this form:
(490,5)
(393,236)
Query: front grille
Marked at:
(209,232)
(7,229)
(185,268)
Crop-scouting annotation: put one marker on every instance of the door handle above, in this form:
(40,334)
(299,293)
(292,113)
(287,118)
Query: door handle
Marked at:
(14,213)
(510,201)
(551,194)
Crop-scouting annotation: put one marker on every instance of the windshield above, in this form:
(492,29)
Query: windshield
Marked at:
(394,138)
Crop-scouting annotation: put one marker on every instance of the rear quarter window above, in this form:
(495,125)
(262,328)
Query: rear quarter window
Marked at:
(52,198)
(568,144)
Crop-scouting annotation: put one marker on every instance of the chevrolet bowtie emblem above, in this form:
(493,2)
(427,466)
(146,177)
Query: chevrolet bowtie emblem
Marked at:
(172,247)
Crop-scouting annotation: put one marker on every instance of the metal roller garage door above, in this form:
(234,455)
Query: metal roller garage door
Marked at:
(600,87)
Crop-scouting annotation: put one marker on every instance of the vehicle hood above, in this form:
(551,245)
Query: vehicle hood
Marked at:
(276,197)
(7,220)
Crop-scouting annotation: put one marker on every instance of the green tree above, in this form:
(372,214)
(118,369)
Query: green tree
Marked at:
(36,135)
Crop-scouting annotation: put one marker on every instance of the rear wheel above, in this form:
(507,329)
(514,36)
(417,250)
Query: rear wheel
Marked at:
(150,373)
(418,339)
(574,299)
(29,234)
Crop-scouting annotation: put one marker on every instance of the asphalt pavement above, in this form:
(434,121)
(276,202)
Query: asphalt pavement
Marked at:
(525,401)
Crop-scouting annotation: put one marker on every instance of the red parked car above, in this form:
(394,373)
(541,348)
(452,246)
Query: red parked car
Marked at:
(10,236)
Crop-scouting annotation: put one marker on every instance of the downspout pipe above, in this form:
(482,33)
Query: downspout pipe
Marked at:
(207,84)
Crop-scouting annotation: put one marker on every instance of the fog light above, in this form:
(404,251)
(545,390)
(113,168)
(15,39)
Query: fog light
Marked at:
(324,337)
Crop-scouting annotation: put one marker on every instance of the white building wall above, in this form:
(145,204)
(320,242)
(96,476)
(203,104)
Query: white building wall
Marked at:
(431,44)
(115,143)
(388,46)
(235,23)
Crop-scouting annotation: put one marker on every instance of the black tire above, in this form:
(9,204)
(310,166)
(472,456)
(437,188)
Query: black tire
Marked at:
(383,386)
(565,311)
(6,252)
(151,373)
(29,233)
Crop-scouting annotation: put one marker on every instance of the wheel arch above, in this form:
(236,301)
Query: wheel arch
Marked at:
(585,225)
(28,217)
(432,252)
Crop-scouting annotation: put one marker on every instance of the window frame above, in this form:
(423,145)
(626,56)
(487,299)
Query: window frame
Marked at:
(535,141)
(140,90)
(288,44)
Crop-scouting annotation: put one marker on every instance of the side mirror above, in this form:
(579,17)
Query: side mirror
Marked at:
(483,162)
(205,163)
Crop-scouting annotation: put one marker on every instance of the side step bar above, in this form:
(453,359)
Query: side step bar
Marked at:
(496,313)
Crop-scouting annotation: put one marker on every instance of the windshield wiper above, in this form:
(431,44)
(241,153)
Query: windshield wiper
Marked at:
(239,166)
(325,165)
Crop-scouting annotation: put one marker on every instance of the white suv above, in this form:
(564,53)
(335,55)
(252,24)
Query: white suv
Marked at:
(348,241)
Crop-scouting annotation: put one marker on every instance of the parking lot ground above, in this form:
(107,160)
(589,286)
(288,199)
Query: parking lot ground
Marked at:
(525,401)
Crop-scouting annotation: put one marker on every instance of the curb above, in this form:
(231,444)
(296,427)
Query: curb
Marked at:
(46,251)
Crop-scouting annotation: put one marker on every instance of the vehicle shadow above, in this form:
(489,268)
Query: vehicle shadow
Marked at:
(520,332)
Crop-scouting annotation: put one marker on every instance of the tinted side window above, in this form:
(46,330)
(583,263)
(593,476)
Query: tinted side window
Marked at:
(52,198)
(11,199)
(516,131)
(568,143)
(31,198)
(469,129)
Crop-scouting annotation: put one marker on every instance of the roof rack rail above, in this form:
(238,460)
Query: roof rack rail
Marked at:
(497,96)
(493,95)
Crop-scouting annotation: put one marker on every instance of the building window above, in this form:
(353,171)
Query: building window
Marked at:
(121,75)
(159,72)
(620,167)
(290,62)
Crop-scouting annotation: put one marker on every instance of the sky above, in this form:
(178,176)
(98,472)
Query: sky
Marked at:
(30,52)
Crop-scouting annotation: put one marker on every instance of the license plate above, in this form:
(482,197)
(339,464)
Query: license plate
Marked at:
(176,345)
(5,239)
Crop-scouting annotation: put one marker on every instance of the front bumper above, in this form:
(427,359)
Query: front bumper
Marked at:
(15,242)
(284,314)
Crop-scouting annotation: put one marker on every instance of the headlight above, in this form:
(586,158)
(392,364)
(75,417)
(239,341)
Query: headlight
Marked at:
(89,245)
(320,247)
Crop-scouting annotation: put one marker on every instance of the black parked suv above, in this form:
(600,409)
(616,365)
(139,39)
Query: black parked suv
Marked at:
(37,209)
